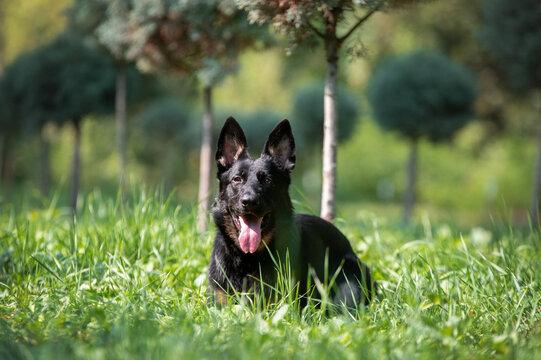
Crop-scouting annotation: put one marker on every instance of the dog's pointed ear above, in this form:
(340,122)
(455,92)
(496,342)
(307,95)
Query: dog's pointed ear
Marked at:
(231,145)
(280,146)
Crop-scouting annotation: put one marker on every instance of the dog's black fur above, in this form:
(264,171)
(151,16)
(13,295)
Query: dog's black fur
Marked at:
(254,216)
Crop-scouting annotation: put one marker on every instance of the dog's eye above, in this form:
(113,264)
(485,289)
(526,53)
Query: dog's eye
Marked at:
(268,180)
(237,179)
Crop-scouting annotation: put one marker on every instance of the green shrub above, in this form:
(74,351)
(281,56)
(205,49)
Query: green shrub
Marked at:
(422,94)
(307,119)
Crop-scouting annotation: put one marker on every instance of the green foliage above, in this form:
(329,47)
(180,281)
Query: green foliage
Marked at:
(8,120)
(308,114)
(85,78)
(15,97)
(422,94)
(64,81)
(104,25)
(512,33)
(128,280)
(257,126)
(370,165)
(176,36)
(455,180)
(213,72)
(163,139)
(106,22)
(303,21)
(168,120)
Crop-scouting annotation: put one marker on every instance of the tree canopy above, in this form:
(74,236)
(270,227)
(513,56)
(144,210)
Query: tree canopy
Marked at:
(257,125)
(168,120)
(331,22)
(179,36)
(12,94)
(422,94)
(65,80)
(308,113)
(303,21)
(5,113)
(512,34)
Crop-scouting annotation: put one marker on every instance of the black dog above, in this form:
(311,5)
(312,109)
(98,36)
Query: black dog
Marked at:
(253,212)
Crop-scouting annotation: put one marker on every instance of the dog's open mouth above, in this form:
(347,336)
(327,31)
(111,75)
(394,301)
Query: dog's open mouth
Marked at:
(249,226)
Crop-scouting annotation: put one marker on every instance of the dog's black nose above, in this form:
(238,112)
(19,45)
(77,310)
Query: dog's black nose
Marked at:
(249,201)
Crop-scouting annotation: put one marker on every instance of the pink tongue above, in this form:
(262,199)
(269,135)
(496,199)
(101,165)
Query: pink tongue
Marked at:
(250,233)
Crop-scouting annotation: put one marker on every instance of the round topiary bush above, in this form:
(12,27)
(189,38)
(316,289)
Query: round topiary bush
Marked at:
(423,94)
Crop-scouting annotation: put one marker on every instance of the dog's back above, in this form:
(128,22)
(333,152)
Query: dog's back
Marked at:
(327,251)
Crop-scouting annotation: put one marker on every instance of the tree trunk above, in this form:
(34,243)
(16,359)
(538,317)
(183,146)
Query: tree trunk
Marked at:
(411,179)
(2,156)
(121,126)
(76,164)
(536,187)
(44,162)
(330,127)
(205,164)
(534,207)
(9,169)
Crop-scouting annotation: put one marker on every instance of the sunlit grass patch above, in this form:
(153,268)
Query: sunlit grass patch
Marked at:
(128,280)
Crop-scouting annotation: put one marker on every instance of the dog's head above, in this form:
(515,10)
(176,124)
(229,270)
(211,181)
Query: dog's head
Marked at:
(253,192)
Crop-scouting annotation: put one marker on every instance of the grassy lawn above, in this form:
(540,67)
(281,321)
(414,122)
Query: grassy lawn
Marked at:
(129,282)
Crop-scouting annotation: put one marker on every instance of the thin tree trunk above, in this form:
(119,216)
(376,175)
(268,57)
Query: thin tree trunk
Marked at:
(332,44)
(534,207)
(536,188)
(411,179)
(76,164)
(9,169)
(205,162)
(330,127)
(2,156)
(121,124)
(44,162)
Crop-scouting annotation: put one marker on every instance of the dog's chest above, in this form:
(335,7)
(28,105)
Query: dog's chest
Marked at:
(248,272)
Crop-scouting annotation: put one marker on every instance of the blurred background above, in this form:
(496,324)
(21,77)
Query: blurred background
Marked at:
(474,166)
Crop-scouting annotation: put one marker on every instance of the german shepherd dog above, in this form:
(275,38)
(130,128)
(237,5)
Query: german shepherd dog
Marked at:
(256,225)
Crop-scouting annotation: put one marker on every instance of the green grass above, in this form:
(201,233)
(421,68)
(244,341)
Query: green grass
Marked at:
(129,282)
